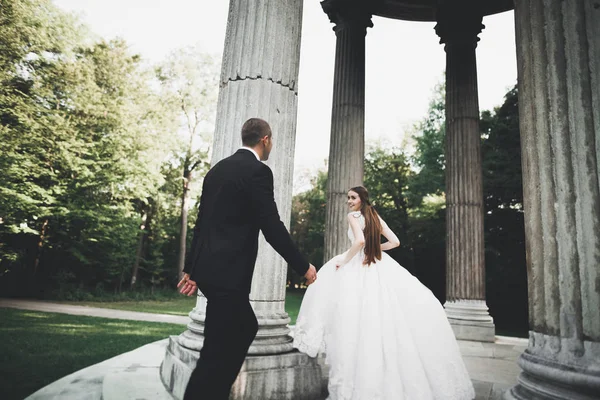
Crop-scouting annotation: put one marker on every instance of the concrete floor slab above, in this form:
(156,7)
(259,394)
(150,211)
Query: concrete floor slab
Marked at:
(134,375)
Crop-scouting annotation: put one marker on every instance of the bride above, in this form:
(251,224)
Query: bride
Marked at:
(385,335)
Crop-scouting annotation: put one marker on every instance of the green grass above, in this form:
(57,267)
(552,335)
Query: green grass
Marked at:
(38,348)
(182,305)
(293,299)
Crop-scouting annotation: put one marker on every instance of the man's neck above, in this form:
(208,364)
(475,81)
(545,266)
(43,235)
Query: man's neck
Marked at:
(255,151)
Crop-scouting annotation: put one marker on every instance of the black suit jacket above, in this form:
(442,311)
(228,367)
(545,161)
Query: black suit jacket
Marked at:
(237,201)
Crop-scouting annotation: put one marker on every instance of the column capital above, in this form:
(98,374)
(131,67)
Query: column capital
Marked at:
(459,22)
(350,14)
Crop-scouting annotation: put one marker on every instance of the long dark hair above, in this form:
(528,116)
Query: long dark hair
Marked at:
(373,227)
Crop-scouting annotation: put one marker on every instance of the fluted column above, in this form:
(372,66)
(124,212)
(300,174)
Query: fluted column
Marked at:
(347,143)
(465,265)
(558,58)
(258,79)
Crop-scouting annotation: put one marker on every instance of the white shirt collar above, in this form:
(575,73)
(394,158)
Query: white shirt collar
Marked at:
(252,150)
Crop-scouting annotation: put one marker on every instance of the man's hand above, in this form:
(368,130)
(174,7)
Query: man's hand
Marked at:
(188,286)
(311,275)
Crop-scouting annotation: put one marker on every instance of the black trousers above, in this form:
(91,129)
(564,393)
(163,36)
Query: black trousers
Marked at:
(229,329)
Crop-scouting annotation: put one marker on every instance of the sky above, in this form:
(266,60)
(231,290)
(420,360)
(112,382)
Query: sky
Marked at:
(404,62)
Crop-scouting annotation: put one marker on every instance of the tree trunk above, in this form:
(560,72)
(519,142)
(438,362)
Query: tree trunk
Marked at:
(187,174)
(39,247)
(121,279)
(138,254)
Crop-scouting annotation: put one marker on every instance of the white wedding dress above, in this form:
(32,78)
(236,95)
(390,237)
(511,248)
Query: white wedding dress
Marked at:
(385,335)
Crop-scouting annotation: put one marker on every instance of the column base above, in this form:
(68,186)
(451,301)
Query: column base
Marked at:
(470,320)
(557,369)
(272,336)
(290,376)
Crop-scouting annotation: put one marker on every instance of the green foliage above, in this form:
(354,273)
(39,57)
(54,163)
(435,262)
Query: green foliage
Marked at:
(189,81)
(426,236)
(293,300)
(189,86)
(387,176)
(504,221)
(88,150)
(429,158)
(308,224)
(502,155)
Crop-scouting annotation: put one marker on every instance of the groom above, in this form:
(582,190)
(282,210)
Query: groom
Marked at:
(237,201)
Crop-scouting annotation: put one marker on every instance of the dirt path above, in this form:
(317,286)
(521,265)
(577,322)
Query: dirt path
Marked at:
(44,306)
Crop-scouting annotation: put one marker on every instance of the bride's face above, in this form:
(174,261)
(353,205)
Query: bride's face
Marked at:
(354,202)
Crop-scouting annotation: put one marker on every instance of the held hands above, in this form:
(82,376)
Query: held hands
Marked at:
(311,275)
(188,286)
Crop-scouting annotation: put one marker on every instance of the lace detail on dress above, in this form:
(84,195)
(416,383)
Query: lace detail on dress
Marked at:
(309,341)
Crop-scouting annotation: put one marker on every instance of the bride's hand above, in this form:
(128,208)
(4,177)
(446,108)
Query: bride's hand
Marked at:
(339,261)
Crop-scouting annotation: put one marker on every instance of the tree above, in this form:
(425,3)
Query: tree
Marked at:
(428,158)
(189,80)
(81,144)
(387,175)
(308,223)
(504,220)
(426,197)
(502,154)
(34,38)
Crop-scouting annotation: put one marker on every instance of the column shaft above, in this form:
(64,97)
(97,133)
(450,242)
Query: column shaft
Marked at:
(258,79)
(558,56)
(346,151)
(464,195)
(465,264)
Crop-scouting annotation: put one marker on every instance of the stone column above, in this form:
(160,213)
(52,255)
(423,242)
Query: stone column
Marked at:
(558,57)
(347,143)
(258,79)
(465,265)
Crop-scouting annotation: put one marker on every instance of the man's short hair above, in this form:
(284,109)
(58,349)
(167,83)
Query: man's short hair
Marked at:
(253,130)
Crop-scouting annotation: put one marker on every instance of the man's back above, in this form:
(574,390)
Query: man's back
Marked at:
(227,226)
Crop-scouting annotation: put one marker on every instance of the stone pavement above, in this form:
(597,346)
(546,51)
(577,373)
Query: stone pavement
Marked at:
(135,375)
(132,375)
(44,306)
(493,366)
